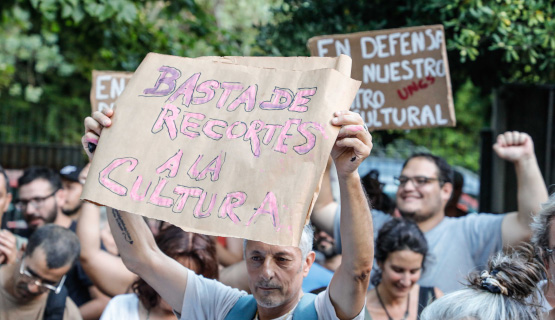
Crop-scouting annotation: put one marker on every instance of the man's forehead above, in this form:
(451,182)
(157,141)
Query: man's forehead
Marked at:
(271,249)
(37,185)
(421,166)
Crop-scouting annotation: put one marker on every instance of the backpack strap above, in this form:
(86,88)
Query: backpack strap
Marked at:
(306,308)
(425,296)
(55,305)
(244,308)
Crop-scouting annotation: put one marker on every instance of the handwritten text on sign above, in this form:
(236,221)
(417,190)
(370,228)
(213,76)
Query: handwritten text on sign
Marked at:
(404,74)
(219,148)
(107,86)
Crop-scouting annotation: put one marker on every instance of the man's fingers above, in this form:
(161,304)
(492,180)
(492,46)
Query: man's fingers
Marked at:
(103,117)
(359,147)
(92,125)
(342,118)
(512,138)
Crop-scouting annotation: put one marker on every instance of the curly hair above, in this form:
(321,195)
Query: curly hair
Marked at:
(178,244)
(509,293)
(541,227)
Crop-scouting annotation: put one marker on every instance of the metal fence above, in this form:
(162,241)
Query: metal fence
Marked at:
(55,156)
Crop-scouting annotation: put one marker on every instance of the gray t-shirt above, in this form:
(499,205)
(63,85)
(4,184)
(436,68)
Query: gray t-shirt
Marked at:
(211,299)
(457,246)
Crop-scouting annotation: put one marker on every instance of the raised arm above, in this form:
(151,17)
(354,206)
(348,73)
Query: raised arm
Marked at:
(135,242)
(518,148)
(350,281)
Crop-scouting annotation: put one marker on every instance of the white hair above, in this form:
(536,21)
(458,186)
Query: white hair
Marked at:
(307,238)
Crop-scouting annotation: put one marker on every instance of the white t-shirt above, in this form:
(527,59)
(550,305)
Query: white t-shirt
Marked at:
(210,299)
(123,306)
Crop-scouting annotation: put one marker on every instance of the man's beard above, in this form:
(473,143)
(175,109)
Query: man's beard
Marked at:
(73,211)
(417,218)
(50,217)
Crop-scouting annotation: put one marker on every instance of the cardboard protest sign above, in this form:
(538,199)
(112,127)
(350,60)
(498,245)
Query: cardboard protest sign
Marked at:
(404,73)
(220,148)
(107,86)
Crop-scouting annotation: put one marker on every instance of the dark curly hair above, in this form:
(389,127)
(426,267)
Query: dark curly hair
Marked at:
(396,235)
(178,244)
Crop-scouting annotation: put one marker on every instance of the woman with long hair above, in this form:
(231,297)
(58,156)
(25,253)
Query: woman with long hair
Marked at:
(195,251)
(400,252)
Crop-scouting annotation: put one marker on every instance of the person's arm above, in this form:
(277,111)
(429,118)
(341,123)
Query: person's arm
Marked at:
(349,283)
(518,148)
(105,270)
(93,308)
(135,242)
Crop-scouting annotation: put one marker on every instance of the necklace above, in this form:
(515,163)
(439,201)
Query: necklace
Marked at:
(385,309)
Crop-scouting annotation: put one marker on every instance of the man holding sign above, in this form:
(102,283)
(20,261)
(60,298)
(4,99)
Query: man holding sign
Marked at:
(275,272)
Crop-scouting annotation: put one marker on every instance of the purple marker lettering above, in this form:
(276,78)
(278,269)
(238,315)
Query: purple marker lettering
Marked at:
(104,176)
(209,132)
(214,167)
(228,87)
(198,213)
(172,164)
(232,200)
(252,135)
(301,99)
(186,89)
(309,136)
(168,120)
(229,132)
(184,193)
(169,81)
(281,98)
(248,97)
(186,124)
(281,146)
(208,88)
(271,201)
(270,133)
(135,190)
(157,199)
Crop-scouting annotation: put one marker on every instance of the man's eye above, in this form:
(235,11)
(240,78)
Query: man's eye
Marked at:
(256,258)
(280,259)
(421,180)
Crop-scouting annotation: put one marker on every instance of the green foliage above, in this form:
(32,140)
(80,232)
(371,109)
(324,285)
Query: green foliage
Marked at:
(489,43)
(50,47)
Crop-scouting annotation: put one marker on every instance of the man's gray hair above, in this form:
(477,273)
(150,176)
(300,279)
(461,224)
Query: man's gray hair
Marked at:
(307,238)
(541,225)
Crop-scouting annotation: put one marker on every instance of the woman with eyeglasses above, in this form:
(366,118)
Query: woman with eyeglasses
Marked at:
(400,253)
(195,251)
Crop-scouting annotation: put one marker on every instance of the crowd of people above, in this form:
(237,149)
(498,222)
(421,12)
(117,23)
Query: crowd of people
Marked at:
(362,257)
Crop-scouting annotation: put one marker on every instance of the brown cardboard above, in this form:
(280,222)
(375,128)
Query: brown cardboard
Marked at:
(107,86)
(404,73)
(276,180)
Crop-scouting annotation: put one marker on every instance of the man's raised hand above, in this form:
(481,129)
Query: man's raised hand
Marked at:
(93,128)
(514,146)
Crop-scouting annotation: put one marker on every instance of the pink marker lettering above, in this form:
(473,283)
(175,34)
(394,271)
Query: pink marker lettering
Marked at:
(248,97)
(172,164)
(186,90)
(135,195)
(229,132)
(186,124)
(168,120)
(232,200)
(214,168)
(169,81)
(198,213)
(283,135)
(301,99)
(252,135)
(184,193)
(281,98)
(271,201)
(309,136)
(228,87)
(157,199)
(209,89)
(209,132)
(270,133)
(104,176)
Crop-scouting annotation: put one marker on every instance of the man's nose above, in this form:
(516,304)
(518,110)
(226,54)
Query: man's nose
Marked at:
(409,185)
(268,271)
(33,287)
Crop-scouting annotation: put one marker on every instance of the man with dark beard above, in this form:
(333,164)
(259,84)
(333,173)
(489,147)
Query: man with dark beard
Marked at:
(41,198)
(460,245)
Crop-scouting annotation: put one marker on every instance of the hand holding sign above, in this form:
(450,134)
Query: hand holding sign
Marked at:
(93,128)
(353,143)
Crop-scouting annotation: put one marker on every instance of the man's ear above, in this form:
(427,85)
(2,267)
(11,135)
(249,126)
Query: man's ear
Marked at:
(61,197)
(308,262)
(446,191)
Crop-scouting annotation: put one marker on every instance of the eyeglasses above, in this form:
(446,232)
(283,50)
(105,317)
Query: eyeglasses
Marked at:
(418,181)
(31,277)
(36,202)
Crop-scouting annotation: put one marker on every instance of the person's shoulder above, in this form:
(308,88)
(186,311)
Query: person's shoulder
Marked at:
(71,311)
